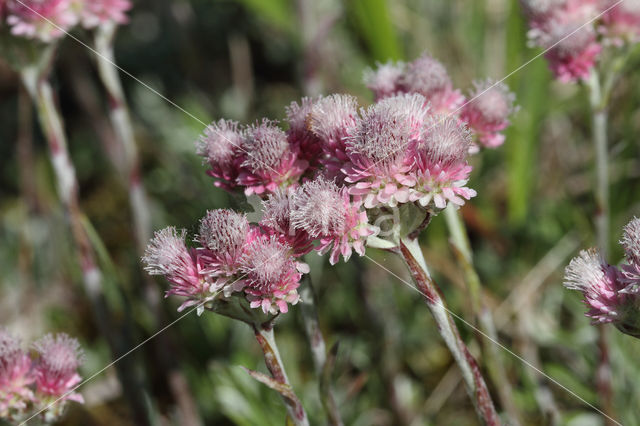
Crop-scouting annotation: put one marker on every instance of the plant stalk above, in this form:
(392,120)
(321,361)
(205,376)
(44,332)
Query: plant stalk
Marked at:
(599,118)
(264,336)
(318,348)
(35,80)
(484,318)
(474,382)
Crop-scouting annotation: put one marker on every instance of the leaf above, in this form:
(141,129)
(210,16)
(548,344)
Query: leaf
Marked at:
(373,19)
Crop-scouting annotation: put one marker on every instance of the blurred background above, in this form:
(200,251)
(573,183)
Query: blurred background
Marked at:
(247,59)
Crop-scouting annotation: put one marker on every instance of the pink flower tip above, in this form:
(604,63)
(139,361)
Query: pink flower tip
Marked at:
(631,244)
(325,212)
(56,369)
(599,283)
(488,111)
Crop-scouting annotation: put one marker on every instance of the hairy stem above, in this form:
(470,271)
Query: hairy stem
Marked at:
(318,348)
(35,79)
(138,201)
(264,336)
(474,382)
(599,119)
(484,318)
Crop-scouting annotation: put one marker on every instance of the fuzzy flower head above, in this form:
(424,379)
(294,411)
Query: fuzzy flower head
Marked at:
(269,162)
(570,37)
(631,244)
(429,77)
(56,369)
(42,20)
(384,81)
(98,12)
(221,147)
(380,164)
(301,138)
(326,212)
(598,282)
(271,275)
(334,119)
(15,377)
(184,268)
(622,22)
(442,170)
(224,234)
(276,220)
(488,110)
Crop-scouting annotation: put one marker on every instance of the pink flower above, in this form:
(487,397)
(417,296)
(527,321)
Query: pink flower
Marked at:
(326,212)
(566,30)
(185,269)
(44,20)
(384,81)
(270,162)
(221,147)
(224,235)
(271,275)
(381,166)
(15,377)
(441,167)
(56,369)
(622,22)
(277,220)
(600,285)
(630,275)
(301,138)
(334,119)
(488,110)
(429,77)
(97,12)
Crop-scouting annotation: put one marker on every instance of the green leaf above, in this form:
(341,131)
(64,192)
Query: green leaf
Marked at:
(374,23)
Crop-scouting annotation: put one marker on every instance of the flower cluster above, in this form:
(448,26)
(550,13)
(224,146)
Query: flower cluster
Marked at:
(611,293)
(575,31)
(486,111)
(48,20)
(41,383)
(323,181)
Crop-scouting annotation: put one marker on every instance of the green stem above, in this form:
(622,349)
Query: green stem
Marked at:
(476,387)
(492,356)
(318,349)
(264,336)
(599,118)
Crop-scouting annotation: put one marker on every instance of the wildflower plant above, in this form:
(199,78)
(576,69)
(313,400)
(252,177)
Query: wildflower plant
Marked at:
(38,382)
(326,182)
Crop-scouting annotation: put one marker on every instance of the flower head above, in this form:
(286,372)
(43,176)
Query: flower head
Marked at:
(566,30)
(326,212)
(185,269)
(488,111)
(631,244)
(598,282)
(15,376)
(301,138)
(429,77)
(385,79)
(98,12)
(221,147)
(334,119)
(622,21)
(224,234)
(43,20)
(56,369)
(442,170)
(271,275)
(269,162)
(380,163)
(277,220)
